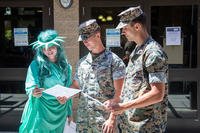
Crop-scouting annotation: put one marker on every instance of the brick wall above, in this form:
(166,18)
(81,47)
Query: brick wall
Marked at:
(66,22)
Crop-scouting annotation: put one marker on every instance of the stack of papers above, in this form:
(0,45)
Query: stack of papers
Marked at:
(59,90)
(70,128)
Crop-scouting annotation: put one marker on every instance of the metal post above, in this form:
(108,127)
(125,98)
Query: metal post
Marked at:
(198,101)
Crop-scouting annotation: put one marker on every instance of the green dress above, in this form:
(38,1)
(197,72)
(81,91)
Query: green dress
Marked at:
(44,114)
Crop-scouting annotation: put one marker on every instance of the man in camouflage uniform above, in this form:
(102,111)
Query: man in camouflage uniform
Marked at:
(145,85)
(99,75)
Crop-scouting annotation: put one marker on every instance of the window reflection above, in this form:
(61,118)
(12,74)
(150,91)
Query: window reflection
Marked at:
(13,56)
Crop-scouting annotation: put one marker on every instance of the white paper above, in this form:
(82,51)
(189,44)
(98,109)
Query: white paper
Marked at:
(173,36)
(70,128)
(59,90)
(21,36)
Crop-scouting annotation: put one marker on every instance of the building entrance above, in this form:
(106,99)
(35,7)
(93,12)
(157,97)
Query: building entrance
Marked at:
(183,58)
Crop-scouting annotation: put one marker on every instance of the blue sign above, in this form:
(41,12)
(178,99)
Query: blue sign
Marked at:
(113,38)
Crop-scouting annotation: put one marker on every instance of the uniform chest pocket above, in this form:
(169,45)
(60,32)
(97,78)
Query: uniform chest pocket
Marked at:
(141,114)
(103,68)
(104,71)
(104,77)
(135,66)
(135,57)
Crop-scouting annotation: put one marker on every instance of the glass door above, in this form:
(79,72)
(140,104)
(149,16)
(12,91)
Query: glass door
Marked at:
(20,24)
(183,57)
(19,27)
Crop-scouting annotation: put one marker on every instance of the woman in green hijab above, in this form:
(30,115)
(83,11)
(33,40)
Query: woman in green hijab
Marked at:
(44,113)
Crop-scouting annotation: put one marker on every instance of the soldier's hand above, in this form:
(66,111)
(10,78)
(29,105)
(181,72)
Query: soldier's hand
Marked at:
(118,112)
(62,99)
(117,108)
(109,126)
(108,104)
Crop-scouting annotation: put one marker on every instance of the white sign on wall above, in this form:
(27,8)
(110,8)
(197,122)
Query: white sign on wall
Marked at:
(21,36)
(173,35)
(113,37)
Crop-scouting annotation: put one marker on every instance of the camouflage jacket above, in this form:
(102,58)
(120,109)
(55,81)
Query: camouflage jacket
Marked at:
(147,64)
(95,78)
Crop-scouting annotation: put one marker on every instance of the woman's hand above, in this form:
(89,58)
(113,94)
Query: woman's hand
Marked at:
(37,92)
(62,99)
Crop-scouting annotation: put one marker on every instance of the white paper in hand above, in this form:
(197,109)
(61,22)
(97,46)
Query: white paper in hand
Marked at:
(59,90)
(70,128)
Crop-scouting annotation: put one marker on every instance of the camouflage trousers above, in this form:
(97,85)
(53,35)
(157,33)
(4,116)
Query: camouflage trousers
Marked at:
(145,126)
(92,128)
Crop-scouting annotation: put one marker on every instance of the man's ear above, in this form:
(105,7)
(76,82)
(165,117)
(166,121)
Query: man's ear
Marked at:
(137,26)
(98,34)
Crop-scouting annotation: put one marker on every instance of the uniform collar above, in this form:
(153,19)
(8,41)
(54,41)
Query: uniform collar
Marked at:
(140,48)
(90,60)
(146,42)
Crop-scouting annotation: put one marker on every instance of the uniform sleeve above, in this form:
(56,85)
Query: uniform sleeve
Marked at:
(32,78)
(118,68)
(156,65)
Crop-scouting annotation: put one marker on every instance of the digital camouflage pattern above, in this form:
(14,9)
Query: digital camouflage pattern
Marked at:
(87,29)
(147,64)
(130,14)
(95,78)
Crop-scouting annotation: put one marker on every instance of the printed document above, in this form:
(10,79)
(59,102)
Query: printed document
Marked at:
(59,90)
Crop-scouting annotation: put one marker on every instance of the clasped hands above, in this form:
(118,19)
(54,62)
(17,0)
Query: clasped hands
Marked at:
(114,107)
(37,92)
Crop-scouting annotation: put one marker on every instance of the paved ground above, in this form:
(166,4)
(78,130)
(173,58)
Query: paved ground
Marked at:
(183,126)
(10,121)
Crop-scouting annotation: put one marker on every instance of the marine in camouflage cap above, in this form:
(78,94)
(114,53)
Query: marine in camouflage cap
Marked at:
(145,85)
(100,75)
(87,29)
(128,16)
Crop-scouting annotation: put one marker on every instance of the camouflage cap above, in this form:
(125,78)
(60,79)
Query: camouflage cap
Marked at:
(128,16)
(88,28)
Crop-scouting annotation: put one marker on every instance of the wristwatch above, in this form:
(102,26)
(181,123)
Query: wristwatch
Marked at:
(65,3)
